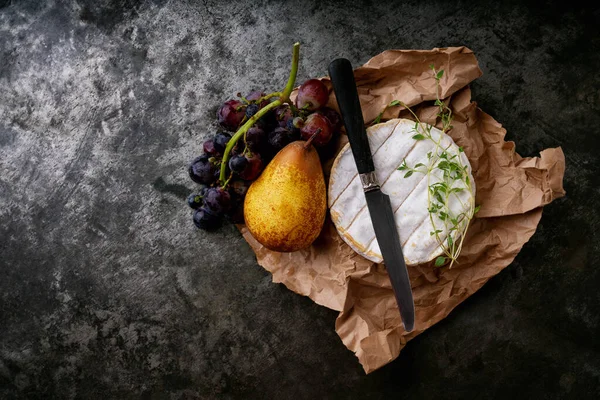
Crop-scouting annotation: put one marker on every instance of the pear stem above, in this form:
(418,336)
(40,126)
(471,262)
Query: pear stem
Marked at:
(310,139)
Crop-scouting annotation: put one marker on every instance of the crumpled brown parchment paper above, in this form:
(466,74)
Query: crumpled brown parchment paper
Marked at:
(511,191)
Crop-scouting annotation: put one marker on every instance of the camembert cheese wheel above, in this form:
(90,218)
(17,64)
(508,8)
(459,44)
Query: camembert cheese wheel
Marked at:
(392,144)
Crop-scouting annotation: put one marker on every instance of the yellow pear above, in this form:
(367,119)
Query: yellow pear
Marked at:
(285,207)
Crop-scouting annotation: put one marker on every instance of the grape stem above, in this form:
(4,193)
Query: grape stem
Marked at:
(285,96)
(268,96)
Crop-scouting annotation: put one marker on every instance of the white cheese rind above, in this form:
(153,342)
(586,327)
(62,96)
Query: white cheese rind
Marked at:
(391,142)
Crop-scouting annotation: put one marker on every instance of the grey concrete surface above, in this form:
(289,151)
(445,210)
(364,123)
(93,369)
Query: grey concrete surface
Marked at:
(107,291)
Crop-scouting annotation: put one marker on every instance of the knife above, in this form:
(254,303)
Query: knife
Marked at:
(380,208)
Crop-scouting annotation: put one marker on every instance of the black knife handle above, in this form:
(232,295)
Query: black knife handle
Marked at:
(344,85)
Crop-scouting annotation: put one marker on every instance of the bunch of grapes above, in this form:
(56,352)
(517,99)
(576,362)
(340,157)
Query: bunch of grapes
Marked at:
(245,160)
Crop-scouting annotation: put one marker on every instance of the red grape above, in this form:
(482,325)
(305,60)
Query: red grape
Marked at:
(298,122)
(254,167)
(231,114)
(312,95)
(254,96)
(209,147)
(333,117)
(313,123)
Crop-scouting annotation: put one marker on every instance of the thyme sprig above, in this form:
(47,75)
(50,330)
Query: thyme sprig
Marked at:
(454,180)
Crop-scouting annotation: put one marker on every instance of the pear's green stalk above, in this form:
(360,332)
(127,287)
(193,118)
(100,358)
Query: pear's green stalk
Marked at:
(283,97)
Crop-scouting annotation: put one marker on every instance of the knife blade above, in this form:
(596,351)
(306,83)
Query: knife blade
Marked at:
(380,208)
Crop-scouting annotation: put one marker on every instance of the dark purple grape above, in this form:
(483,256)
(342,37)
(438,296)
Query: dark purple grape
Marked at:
(317,122)
(334,118)
(294,132)
(217,200)
(195,201)
(206,219)
(312,95)
(237,149)
(231,114)
(236,214)
(239,188)
(254,167)
(220,141)
(267,122)
(255,139)
(237,163)
(201,170)
(209,147)
(280,138)
(283,113)
(252,109)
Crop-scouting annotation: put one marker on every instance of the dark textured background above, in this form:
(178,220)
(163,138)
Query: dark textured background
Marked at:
(108,292)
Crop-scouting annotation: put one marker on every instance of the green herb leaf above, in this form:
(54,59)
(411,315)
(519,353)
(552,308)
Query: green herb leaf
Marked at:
(450,241)
(438,197)
(444,165)
(377,119)
(460,149)
(440,261)
(438,102)
(394,103)
(431,66)
(439,74)
(419,165)
(476,209)
(418,137)
(429,155)
(409,173)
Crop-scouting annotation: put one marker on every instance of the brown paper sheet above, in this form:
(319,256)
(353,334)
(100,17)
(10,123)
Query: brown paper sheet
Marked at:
(510,189)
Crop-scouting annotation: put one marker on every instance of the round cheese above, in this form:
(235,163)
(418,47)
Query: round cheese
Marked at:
(392,144)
